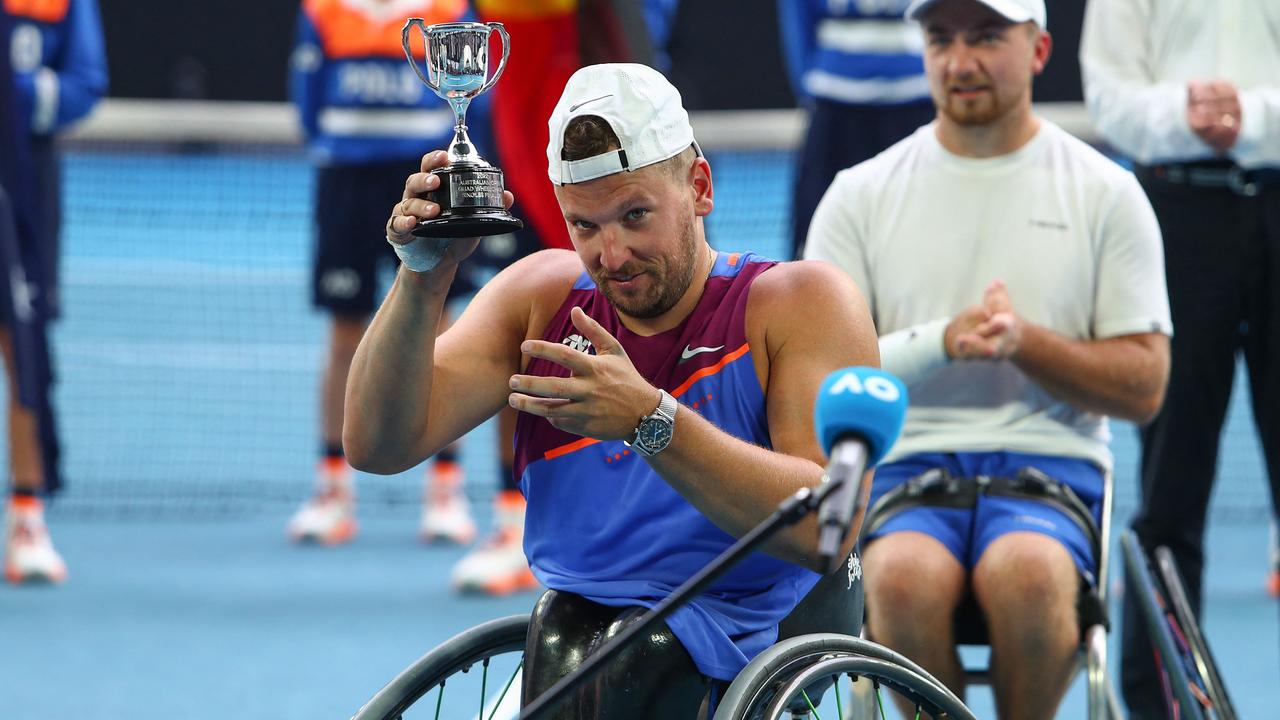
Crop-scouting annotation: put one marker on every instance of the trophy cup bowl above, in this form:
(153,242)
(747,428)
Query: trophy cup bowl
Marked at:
(470,191)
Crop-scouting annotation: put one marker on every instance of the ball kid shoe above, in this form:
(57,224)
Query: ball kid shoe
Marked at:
(329,516)
(446,512)
(498,566)
(29,555)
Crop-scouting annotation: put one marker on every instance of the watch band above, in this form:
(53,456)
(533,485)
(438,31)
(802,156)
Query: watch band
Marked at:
(666,406)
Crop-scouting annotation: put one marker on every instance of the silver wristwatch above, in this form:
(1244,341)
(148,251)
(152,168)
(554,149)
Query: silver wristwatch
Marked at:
(653,434)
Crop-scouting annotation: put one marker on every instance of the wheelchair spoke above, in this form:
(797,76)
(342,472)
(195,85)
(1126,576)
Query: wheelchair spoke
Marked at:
(484,682)
(507,687)
(836,688)
(439,699)
(809,702)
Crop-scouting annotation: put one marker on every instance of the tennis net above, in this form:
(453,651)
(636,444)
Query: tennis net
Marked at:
(189,357)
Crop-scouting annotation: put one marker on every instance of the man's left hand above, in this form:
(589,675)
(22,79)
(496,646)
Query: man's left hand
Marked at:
(999,337)
(603,398)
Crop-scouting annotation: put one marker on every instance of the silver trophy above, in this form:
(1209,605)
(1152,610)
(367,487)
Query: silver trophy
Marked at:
(470,192)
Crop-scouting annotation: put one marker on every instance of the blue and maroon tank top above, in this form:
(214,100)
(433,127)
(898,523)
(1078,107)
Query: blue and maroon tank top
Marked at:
(602,524)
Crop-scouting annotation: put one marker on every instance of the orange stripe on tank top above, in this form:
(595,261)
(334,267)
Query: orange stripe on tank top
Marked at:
(708,371)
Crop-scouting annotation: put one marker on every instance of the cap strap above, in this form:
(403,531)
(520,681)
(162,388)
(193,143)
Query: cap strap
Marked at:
(574,171)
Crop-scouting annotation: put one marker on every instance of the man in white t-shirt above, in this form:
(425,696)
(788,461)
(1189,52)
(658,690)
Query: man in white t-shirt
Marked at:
(1016,278)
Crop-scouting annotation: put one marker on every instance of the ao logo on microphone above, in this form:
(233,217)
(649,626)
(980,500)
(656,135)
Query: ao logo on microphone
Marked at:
(877,386)
(863,402)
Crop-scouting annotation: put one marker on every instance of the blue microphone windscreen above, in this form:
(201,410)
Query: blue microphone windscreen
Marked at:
(861,401)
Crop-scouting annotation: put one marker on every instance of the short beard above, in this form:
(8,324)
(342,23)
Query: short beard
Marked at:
(973,117)
(979,115)
(670,281)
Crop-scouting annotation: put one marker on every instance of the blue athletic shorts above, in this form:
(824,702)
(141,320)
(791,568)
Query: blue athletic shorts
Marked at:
(967,533)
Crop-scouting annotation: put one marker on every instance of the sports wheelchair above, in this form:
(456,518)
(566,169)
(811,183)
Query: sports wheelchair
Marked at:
(937,488)
(794,678)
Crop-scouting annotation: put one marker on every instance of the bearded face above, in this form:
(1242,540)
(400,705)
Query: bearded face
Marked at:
(647,288)
(637,235)
(979,65)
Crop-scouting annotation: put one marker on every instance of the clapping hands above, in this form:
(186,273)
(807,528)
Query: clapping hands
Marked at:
(987,331)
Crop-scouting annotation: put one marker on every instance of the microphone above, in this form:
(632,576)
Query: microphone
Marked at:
(858,416)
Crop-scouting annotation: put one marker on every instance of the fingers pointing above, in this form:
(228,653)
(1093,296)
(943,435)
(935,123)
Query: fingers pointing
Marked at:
(604,343)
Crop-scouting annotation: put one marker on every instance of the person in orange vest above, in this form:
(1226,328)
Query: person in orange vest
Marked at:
(367,119)
(56,70)
(551,39)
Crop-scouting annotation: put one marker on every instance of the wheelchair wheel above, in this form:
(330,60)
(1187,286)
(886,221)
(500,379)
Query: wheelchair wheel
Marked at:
(1192,684)
(794,675)
(1192,641)
(490,655)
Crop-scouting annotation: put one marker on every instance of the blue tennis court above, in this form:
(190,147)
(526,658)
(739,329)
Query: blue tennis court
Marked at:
(188,361)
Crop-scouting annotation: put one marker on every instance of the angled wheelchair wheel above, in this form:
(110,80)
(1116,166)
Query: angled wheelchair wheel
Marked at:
(795,677)
(1190,642)
(473,674)
(1193,686)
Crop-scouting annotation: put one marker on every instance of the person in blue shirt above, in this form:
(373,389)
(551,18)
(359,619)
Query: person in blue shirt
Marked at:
(57,71)
(856,67)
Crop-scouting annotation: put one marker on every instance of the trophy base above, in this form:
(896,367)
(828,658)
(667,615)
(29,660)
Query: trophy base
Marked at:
(470,200)
(466,226)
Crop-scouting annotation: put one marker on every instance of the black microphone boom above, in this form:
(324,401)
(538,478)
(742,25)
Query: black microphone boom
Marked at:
(835,518)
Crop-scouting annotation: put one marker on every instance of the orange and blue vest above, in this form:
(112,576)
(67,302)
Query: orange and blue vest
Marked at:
(58,61)
(602,524)
(358,99)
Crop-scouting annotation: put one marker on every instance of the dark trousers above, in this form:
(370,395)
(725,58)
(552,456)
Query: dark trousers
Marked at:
(841,136)
(1222,262)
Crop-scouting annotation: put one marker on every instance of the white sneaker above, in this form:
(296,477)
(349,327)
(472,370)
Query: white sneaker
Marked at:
(329,517)
(498,566)
(446,514)
(29,556)
(447,520)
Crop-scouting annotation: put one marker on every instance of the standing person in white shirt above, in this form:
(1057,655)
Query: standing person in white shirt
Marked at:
(1191,92)
(1014,275)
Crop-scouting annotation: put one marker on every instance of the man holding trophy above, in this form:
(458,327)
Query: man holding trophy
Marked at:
(666,393)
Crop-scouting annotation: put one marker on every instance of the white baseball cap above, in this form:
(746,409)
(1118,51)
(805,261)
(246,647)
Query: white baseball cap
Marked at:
(1013,10)
(642,107)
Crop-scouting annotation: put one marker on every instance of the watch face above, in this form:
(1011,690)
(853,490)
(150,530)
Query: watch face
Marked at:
(654,434)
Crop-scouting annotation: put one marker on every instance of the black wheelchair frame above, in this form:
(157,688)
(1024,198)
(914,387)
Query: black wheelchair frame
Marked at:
(789,677)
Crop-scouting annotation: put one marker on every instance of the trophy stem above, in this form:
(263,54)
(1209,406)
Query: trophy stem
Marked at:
(460,149)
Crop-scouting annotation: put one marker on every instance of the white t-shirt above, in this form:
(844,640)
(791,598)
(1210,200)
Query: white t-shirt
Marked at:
(923,232)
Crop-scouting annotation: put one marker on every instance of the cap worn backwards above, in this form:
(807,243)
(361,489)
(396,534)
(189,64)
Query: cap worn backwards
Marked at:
(1012,10)
(642,107)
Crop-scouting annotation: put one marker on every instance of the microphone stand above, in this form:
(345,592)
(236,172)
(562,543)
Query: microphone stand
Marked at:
(789,512)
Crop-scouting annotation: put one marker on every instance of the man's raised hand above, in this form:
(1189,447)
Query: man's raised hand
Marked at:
(604,396)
